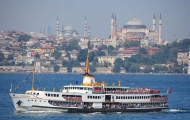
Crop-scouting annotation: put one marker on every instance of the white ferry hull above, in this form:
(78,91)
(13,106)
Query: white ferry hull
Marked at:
(32,103)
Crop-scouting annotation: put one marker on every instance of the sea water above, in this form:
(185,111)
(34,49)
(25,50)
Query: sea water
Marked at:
(179,99)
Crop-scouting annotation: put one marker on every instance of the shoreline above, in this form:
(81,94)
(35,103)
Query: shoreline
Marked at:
(181,74)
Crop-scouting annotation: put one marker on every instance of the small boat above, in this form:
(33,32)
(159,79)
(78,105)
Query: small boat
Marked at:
(90,97)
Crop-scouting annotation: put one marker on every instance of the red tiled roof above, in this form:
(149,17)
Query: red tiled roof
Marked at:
(47,47)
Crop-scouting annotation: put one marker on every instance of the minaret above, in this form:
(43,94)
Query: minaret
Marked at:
(112,24)
(89,32)
(189,63)
(85,28)
(160,29)
(115,28)
(57,27)
(154,23)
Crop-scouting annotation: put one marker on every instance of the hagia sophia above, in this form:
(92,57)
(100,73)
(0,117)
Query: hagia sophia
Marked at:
(135,30)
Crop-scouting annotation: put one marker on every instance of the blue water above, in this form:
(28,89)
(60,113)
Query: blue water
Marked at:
(179,99)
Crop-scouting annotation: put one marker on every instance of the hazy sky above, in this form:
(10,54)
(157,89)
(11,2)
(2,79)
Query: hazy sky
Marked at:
(27,16)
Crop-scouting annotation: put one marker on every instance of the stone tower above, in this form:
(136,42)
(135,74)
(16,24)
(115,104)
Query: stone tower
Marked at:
(89,32)
(112,25)
(57,27)
(115,28)
(85,28)
(154,23)
(160,29)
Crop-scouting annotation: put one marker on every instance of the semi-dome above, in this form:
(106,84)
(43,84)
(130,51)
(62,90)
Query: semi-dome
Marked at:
(134,22)
(68,27)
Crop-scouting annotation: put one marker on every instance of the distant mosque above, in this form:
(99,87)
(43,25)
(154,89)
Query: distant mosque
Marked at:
(66,32)
(135,30)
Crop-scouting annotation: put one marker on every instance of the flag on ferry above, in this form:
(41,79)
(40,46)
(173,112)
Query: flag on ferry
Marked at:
(169,90)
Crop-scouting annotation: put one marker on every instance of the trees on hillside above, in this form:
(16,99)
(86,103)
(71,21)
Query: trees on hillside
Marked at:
(56,54)
(24,38)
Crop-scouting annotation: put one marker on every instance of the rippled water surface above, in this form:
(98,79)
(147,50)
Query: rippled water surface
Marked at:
(179,99)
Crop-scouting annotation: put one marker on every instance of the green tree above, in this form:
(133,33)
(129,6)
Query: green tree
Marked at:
(37,56)
(1,57)
(147,69)
(103,47)
(110,48)
(117,68)
(10,57)
(134,68)
(100,53)
(118,61)
(92,68)
(64,63)
(24,38)
(81,57)
(143,51)
(56,54)
(69,68)
(56,68)
(73,45)
(107,64)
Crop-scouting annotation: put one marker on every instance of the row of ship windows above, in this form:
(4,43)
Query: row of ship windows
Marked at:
(52,95)
(132,97)
(35,100)
(77,88)
(94,97)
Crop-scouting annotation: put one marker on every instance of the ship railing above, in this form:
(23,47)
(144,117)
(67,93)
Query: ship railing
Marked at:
(159,99)
(127,92)
(73,98)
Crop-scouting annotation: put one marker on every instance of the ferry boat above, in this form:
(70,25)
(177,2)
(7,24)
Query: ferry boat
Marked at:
(89,97)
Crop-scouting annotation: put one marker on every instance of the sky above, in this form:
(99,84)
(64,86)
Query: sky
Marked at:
(31,15)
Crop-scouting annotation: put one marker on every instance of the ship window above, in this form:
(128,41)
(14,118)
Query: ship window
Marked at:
(85,88)
(135,97)
(119,97)
(51,95)
(48,94)
(54,95)
(28,100)
(95,97)
(57,95)
(34,93)
(81,88)
(90,97)
(116,97)
(123,97)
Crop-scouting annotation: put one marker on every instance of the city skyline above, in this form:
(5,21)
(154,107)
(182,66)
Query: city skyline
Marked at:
(34,14)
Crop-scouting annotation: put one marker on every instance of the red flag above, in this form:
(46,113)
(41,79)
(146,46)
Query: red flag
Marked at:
(169,90)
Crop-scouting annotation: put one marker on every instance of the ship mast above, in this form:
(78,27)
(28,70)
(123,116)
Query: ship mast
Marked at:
(33,79)
(86,64)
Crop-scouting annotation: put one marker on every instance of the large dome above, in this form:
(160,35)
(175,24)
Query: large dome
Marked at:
(134,22)
(68,28)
